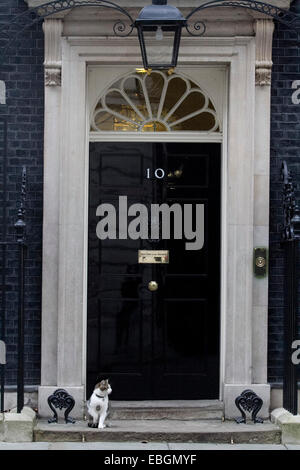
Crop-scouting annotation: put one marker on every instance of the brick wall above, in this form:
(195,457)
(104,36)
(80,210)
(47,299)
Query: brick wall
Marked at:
(285,145)
(22,72)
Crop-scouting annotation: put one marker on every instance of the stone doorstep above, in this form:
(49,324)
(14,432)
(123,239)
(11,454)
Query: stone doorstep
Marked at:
(17,427)
(289,424)
(1,427)
(167,409)
(161,431)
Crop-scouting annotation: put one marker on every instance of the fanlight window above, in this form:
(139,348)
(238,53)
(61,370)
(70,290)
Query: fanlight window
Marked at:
(155,102)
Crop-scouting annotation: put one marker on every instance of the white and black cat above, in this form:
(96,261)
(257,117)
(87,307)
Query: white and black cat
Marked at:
(98,405)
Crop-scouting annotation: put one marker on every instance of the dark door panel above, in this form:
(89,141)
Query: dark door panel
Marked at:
(162,344)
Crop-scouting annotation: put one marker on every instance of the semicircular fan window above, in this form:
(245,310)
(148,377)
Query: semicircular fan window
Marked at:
(154,103)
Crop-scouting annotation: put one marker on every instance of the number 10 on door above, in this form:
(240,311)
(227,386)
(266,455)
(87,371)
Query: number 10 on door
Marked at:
(159,173)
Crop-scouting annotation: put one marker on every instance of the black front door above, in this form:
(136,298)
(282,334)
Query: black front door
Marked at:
(161,344)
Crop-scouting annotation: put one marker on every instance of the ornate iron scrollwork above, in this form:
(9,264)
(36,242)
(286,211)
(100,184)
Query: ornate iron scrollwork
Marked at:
(61,399)
(197,28)
(20,224)
(290,19)
(9,32)
(249,401)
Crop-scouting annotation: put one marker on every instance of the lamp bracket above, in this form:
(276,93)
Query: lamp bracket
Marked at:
(10,32)
(286,17)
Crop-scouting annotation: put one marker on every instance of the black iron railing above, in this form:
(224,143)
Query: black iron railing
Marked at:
(291,243)
(3,148)
(8,250)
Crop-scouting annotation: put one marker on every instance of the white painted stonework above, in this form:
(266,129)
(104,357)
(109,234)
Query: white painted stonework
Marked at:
(52,64)
(245,109)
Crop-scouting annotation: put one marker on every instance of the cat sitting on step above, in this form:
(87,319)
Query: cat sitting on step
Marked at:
(98,405)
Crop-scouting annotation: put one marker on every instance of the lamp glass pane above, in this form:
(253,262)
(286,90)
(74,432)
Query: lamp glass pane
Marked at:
(159,50)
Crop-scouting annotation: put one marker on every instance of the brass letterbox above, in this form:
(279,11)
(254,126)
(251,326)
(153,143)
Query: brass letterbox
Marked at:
(153,256)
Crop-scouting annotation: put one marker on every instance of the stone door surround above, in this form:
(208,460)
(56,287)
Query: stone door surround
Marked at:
(245,201)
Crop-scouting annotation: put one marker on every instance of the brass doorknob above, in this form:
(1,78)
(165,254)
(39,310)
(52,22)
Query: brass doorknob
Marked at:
(153,286)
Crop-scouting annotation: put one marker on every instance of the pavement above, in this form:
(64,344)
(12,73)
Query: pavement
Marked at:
(151,446)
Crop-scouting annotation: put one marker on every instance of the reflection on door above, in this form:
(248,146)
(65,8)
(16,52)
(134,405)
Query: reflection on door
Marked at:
(161,343)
